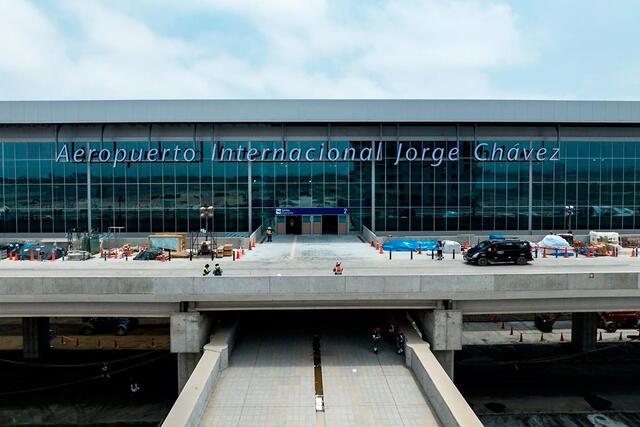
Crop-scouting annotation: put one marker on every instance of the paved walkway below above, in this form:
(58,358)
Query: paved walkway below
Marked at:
(270,382)
(365,389)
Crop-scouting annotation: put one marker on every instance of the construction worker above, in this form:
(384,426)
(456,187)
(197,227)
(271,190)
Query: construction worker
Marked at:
(217,270)
(337,270)
(269,234)
(206,271)
(400,341)
(440,248)
(376,337)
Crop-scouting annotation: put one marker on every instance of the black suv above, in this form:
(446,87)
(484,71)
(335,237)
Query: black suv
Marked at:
(498,251)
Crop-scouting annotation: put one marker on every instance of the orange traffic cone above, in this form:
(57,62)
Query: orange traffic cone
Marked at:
(544,253)
(520,336)
(502,326)
(53,255)
(31,257)
(372,244)
(566,252)
(634,252)
(561,337)
(511,332)
(419,249)
(381,251)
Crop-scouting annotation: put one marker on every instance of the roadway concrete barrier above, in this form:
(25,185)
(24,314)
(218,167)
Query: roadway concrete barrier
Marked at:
(192,401)
(447,402)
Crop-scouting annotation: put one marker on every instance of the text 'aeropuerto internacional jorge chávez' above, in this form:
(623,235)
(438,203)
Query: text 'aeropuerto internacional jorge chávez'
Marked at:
(435,156)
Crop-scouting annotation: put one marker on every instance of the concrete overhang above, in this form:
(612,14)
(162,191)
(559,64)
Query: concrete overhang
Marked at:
(319,111)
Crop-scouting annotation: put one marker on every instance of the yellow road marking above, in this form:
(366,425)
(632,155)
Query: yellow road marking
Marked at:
(292,255)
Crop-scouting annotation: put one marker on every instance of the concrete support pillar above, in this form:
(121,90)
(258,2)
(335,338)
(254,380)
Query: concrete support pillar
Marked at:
(442,329)
(584,331)
(189,333)
(35,337)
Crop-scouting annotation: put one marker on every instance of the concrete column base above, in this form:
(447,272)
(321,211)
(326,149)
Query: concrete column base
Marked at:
(445,357)
(584,331)
(186,364)
(35,337)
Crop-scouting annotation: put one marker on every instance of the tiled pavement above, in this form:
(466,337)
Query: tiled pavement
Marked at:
(270,383)
(365,389)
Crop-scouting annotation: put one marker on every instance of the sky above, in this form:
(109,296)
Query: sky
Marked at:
(260,49)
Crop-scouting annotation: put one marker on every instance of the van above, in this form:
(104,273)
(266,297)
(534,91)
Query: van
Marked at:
(499,251)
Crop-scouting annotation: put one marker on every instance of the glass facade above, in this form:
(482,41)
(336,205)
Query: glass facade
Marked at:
(597,177)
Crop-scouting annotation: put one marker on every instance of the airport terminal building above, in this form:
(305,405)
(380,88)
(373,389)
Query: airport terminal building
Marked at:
(319,166)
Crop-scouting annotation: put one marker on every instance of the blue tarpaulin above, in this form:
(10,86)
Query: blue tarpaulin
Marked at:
(404,245)
(495,236)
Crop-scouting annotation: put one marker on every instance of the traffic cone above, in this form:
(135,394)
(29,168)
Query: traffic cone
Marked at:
(511,331)
(53,255)
(115,343)
(101,253)
(372,244)
(502,326)
(620,337)
(381,251)
(31,257)
(561,337)
(164,257)
(520,336)
(566,252)
(600,337)
(541,337)
(633,252)
(99,344)
(419,249)
(544,253)
(243,253)
(39,256)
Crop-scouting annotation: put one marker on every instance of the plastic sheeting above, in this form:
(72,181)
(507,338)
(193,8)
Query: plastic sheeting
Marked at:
(554,241)
(406,245)
(610,237)
(170,243)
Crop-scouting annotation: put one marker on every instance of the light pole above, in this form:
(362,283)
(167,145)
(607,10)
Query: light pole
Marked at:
(206,212)
(568,211)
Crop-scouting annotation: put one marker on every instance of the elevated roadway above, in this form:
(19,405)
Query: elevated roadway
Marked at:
(295,272)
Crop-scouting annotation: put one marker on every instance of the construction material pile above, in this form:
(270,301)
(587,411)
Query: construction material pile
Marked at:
(553,241)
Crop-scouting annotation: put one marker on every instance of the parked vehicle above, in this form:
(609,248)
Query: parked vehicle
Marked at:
(611,322)
(499,251)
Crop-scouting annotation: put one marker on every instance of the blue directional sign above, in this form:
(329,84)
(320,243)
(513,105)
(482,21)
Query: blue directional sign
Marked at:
(312,211)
